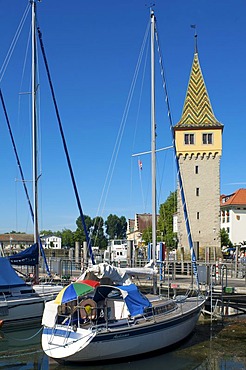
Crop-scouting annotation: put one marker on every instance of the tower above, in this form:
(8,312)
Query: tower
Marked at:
(198,137)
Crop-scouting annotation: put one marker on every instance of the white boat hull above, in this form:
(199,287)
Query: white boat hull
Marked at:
(116,344)
(26,309)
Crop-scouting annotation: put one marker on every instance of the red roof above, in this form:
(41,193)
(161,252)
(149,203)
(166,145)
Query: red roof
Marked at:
(237,198)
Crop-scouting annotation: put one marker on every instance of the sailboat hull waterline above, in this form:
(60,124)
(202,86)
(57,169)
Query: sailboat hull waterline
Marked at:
(111,343)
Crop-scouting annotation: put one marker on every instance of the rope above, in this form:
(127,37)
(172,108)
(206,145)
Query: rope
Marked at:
(164,85)
(24,339)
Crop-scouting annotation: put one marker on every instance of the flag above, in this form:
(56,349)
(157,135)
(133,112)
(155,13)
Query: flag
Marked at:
(140,164)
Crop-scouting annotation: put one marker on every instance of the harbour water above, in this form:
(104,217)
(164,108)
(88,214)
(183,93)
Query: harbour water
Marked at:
(212,346)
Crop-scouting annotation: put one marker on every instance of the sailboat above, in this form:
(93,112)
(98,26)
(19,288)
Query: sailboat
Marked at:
(104,316)
(20,303)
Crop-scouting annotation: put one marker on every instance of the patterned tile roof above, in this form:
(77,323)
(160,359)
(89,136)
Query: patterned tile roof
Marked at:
(197,110)
(234,199)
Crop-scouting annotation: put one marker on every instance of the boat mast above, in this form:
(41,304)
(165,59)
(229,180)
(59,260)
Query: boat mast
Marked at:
(153,136)
(34,133)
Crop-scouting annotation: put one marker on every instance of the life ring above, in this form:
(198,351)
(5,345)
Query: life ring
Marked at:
(88,309)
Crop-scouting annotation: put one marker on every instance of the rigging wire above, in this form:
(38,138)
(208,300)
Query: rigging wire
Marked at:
(115,153)
(114,156)
(13,43)
(164,85)
(65,147)
(137,118)
(22,175)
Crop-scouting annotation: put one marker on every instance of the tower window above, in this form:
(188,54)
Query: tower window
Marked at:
(189,139)
(196,170)
(197,192)
(197,215)
(207,138)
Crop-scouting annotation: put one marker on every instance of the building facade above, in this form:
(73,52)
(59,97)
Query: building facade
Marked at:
(51,242)
(233,215)
(136,226)
(15,242)
(198,137)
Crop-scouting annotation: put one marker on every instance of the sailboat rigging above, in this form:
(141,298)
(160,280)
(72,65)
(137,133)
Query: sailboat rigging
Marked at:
(111,319)
(36,33)
(187,223)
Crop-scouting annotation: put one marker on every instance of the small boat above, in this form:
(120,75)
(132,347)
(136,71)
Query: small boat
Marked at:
(114,320)
(104,316)
(20,303)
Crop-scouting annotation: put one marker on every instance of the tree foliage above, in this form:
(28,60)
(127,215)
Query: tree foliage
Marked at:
(224,237)
(147,235)
(165,222)
(116,227)
(80,232)
(97,233)
(67,238)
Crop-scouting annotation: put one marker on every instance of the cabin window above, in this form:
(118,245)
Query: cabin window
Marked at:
(189,139)
(196,170)
(207,138)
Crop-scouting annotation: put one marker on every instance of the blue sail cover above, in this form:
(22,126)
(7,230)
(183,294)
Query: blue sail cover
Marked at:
(136,302)
(28,257)
(8,276)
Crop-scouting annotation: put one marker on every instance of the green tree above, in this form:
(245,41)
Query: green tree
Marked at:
(224,237)
(165,222)
(67,238)
(97,234)
(116,227)
(147,235)
(47,232)
(79,235)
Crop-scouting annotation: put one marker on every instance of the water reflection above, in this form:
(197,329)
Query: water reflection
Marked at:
(210,347)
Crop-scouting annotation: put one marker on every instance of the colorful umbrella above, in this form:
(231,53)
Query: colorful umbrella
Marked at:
(92,283)
(72,291)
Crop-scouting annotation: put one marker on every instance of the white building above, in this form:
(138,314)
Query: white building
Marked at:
(233,215)
(116,252)
(51,242)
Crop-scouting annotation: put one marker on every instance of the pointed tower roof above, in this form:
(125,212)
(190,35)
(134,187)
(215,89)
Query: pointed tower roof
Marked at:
(197,110)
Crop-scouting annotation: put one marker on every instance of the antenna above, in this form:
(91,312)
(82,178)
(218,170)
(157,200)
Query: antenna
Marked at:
(195,35)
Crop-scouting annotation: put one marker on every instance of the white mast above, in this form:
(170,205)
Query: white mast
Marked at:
(153,136)
(34,133)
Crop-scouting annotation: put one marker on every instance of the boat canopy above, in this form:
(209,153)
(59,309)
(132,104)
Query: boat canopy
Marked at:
(28,257)
(8,276)
(136,302)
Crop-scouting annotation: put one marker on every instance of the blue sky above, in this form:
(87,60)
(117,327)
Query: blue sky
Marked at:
(92,49)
